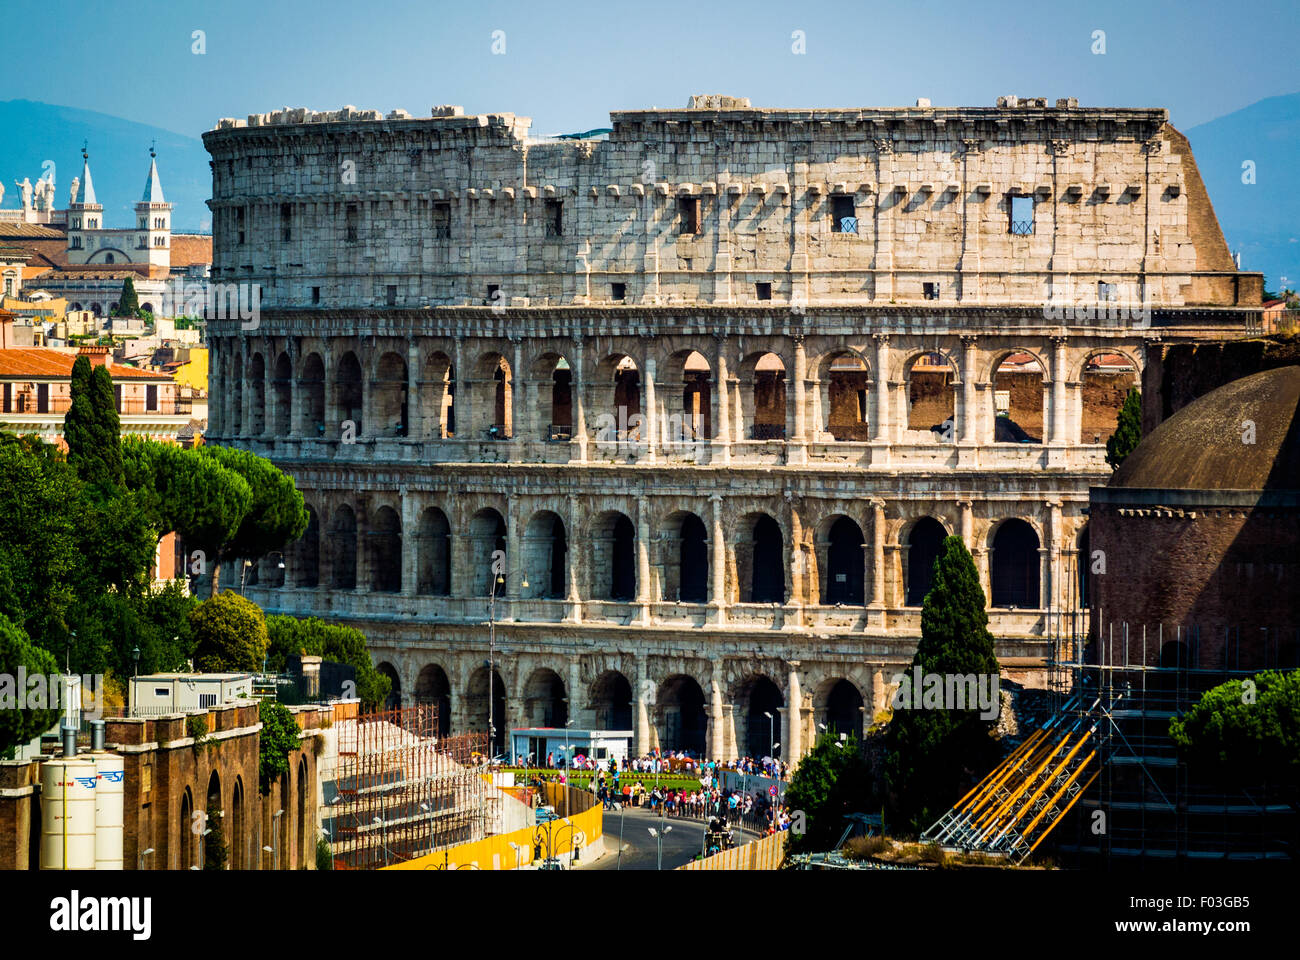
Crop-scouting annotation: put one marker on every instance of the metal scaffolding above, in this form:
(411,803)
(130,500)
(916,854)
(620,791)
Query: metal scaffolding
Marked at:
(403,791)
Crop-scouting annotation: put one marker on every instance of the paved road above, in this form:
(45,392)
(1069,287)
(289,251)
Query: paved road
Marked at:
(681,844)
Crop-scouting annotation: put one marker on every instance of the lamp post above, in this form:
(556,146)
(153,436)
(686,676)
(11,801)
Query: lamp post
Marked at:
(275,838)
(139,860)
(659,843)
(498,579)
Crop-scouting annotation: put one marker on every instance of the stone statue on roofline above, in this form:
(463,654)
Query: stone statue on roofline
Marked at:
(76,186)
(25,188)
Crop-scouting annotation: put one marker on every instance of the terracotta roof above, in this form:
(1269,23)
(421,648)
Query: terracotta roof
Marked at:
(191,248)
(18,230)
(1202,446)
(42,362)
(96,271)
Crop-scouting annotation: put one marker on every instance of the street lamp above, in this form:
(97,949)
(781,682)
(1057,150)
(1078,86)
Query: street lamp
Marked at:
(659,842)
(771,734)
(275,839)
(139,860)
(498,580)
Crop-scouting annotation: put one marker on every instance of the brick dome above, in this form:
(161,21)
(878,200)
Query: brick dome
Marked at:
(1202,447)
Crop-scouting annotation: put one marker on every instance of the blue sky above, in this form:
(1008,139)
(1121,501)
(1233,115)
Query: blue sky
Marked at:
(567,65)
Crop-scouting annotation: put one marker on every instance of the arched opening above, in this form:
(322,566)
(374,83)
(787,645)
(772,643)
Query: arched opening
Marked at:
(688,407)
(686,559)
(491,403)
(283,394)
(924,542)
(618,400)
(614,557)
(1107,379)
(239,859)
(487,541)
(343,549)
(844,581)
(312,386)
(546,556)
(679,716)
(394,701)
(306,828)
(348,393)
(433,688)
(386,551)
(1014,566)
(847,384)
(237,398)
(1018,399)
(306,553)
(185,832)
(391,408)
(213,834)
(553,399)
(477,701)
(764,406)
(762,705)
(438,390)
(434,558)
(545,703)
(1083,570)
(760,561)
(611,699)
(840,708)
(931,396)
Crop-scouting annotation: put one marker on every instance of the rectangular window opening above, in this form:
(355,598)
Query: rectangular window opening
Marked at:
(763,290)
(618,292)
(286,222)
(1022,216)
(689,208)
(315,295)
(351,223)
(844,215)
(442,221)
(931,291)
(555,218)
(392,294)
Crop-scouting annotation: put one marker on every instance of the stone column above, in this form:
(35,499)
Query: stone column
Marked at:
(1059,419)
(572,558)
(368,427)
(364,565)
(641,719)
(720,429)
(331,424)
(718,564)
(461,402)
(717,736)
(415,412)
(295,389)
(577,388)
(514,566)
(520,409)
(967,524)
(651,417)
(410,545)
(575,689)
(271,408)
(877,553)
(800,392)
(883,432)
(969,405)
(794,713)
(643,557)
(1051,585)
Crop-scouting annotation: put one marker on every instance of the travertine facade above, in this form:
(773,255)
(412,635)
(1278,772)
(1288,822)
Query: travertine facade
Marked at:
(684,380)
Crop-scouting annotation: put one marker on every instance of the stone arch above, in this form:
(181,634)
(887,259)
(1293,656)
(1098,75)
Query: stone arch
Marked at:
(840,546)
(546,556)
(433,554)
(185,831)
(845,382)
(237,394)
(385,544)
(487,536)
(305,824)
(438,396)
(760,559)
(306,553)
(840,707)
(236,839)
(491,401)
(611,700)
(924,542)
(759,702)
(614,562)
(763,398)
(679,714)
(343,549)
(1081,585)
(311,384)
(477,706)
(553,405)
(394,701)
(282,383)
(545,702)
(432,687)
(1014,565)
(1105,378)
(931,380)
(349,392)
(686,394)
(256,394)
(1018,379)
(392,412)
(617,399)
(684,557)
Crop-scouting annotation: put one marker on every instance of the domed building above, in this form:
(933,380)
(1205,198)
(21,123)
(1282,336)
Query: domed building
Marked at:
(1193,542)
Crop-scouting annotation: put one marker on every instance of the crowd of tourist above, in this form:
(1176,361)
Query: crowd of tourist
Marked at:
(672,762)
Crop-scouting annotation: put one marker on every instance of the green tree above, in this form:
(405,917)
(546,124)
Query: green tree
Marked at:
(215,852)
(930,753)
(832,780)
(290,636)
(1128,429)
(277,514)
(277,741)
(229,634)
(128,304)
(18,727)
(92,428)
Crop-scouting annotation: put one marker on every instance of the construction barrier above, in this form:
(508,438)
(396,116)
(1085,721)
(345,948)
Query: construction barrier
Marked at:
(765,854)
(496,853)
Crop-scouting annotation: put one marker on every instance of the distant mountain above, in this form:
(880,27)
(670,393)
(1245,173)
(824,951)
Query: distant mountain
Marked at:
(1261,220)
(32,133)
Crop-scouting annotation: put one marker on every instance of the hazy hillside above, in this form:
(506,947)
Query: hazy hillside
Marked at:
(1261,220)
(32,133)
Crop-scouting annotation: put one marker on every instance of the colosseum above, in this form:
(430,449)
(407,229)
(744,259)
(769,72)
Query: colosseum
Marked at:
(658,428)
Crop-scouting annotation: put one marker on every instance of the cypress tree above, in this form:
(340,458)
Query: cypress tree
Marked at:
(92,428)
(79,424)
(931,754)
(1128,429)
(128,304)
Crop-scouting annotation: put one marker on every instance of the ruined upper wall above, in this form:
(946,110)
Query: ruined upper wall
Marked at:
(348,209)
